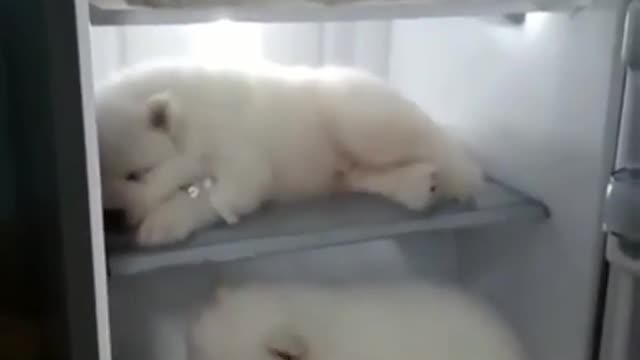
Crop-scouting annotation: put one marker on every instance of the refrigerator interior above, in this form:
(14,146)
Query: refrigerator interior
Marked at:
(531,99)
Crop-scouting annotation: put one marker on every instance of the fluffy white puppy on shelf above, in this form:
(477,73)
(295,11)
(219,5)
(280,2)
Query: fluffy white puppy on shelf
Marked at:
(288,322)
(267,134)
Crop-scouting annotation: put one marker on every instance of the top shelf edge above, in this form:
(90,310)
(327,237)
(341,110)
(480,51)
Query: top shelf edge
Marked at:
(101,15)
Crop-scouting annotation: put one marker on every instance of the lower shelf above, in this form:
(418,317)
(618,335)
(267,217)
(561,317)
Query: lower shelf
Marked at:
(333,221)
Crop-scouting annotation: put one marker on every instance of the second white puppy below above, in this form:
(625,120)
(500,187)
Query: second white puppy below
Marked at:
(374,323)
(270,134)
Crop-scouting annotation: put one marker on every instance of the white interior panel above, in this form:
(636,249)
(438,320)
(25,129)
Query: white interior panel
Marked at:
(532,102)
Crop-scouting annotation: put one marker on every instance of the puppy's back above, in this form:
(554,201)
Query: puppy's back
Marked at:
(421,322)
(417,322)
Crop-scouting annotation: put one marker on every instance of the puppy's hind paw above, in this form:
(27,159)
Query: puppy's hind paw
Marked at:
(417,187)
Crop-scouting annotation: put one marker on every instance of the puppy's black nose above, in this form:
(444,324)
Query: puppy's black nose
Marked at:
(115,220)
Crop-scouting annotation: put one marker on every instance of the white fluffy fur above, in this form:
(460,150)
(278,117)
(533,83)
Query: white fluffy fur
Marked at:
(273,134)
(374,323)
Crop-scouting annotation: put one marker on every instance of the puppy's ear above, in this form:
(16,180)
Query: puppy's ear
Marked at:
(284,344)
(161,112)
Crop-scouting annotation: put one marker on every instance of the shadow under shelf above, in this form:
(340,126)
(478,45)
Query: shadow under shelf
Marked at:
(332,221)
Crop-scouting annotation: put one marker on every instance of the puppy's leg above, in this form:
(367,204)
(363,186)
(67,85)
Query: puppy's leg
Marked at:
(411,185)
(386,130)
(175,219)
(243,182)
(162,182)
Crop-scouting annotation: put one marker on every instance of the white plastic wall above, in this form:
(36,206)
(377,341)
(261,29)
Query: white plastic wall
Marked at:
(532,101)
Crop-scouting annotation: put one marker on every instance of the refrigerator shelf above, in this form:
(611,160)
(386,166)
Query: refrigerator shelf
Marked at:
(116,12)
(320,223)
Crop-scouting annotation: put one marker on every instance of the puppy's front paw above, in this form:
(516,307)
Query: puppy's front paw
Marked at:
(140,203)
(138,207)
(164,227)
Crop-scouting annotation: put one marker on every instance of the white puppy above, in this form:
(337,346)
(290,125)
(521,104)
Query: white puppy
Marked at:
(375,323)
(276,133)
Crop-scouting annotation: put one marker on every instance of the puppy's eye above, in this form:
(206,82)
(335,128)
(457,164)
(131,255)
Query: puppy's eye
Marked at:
(136,176)
(282,355)
(133,176)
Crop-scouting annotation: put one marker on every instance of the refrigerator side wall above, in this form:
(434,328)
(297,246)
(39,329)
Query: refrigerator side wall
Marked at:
(532,101)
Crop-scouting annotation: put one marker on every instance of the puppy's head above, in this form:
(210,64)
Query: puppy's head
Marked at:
(136,133)
(248,325)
